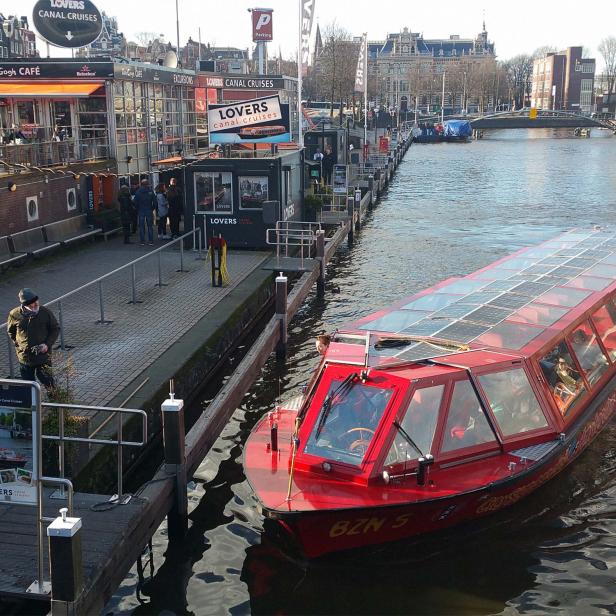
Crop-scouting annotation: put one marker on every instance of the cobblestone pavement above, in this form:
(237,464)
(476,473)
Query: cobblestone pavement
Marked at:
(104,358)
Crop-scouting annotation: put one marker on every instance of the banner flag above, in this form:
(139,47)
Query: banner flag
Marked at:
(307,17)
(360,74)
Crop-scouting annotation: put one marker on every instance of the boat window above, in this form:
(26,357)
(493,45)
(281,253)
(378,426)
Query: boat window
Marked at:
(510,335)
(466,422)
(419,423)
(561,296)
(603,270)
(564,380)
(538,314)
(605,322)
(589,282)
(347,421)
(514,404)
(588,352)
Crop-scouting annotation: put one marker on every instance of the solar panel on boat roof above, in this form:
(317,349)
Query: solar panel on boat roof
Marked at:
(454,311)
(554,280)
(565,270)
(530,289)
(394,321)
(539,269)
(488,315)
(426,327)
(499,285)
(554,261)
(422,351)
(523,277)
(581,262)
(462,331)
(481,297)
(509,300)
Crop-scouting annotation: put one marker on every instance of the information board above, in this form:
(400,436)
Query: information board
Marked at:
(340,180)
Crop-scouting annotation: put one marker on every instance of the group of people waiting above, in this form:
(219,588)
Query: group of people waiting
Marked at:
(137,211)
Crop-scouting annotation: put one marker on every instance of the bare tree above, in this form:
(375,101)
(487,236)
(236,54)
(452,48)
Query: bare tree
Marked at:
(519,71)
(145,38)
(607,49)
(543,51)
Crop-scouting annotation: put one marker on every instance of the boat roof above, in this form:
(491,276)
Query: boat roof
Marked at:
(514,306)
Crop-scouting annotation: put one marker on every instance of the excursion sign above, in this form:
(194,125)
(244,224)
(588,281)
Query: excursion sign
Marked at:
(67,23)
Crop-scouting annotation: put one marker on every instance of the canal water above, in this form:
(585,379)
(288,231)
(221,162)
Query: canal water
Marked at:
(451,209)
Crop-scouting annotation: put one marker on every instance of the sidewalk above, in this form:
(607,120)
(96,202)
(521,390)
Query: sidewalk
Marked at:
(107,357)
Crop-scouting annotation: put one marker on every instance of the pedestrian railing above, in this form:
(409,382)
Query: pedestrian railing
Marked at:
(293,239)
(130,281)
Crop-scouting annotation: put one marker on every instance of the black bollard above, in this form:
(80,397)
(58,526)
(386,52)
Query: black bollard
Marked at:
(281,314)
(174,440)
(320,240)
(65,562)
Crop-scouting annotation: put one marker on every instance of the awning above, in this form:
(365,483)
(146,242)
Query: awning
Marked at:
(36,88)
(168,161)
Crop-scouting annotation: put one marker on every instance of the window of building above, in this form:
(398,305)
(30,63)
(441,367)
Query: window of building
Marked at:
(254,190)
(466,422)
(563,378)
(214,192)
(513,402)
(586,85)
(588,67)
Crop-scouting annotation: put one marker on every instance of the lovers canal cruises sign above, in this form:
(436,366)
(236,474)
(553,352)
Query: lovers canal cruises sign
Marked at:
(67,23)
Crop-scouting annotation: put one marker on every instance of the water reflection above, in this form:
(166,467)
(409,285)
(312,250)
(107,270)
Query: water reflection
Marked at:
(450,209)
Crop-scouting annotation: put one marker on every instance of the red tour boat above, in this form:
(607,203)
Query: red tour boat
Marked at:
(451,405)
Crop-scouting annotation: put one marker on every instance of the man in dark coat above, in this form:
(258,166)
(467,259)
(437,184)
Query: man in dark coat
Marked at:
(174,197)
(33,330)
(127,211)
(328,166)
(145,202)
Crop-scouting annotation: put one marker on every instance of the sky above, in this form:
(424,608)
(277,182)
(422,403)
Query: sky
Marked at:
(514,27)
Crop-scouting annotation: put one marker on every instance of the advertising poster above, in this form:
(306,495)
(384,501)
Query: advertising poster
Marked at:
(260,120)
(16,454)
(340,180)
(253,191)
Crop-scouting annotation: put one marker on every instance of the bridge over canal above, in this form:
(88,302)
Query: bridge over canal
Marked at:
(543,119)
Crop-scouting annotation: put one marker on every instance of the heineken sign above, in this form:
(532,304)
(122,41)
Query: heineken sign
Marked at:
(67,23)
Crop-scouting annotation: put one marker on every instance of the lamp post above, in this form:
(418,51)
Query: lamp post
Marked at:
(443,100)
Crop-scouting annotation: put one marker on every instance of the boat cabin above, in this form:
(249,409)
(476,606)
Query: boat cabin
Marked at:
(485,367)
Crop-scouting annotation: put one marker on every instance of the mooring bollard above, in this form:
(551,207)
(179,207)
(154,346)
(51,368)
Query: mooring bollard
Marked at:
(320,238)
(351,213)
(358,208)
(175,463)
(65,561)
(281,314)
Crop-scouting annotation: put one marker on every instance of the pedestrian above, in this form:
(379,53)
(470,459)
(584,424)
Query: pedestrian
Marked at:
(176,209)
(322,343)
(145,202)
(328,166)
(162,211)
(127,211)
(33,330)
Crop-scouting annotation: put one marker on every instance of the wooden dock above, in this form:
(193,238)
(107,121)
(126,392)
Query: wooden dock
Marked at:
(113,538)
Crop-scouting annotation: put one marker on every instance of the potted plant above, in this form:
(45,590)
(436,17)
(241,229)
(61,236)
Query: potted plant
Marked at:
(313,204)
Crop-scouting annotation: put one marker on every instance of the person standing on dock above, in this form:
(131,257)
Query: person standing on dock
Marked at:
(33,330)
(328,166)
(145,201)
(174,196)
(127,210)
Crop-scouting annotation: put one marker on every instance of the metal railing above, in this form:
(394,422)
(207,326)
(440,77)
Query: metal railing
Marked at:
(118,412)
(293,237)
(49,153)
(99,282)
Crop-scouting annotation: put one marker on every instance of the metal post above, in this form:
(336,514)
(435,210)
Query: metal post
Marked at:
(358,209)
(181,255)
(321,259)
(281,315)
(120,458)
(200,256)
(175,463)
(160,270)
(133,285)
(61,447)
(61,323)
(351,222)
(194,229)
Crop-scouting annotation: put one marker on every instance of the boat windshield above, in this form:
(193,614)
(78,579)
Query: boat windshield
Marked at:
(347,421)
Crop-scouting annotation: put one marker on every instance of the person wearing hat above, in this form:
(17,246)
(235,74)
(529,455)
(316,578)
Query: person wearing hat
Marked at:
(33,330)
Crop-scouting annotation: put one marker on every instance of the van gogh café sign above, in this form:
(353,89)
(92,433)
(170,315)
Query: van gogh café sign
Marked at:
(67,23)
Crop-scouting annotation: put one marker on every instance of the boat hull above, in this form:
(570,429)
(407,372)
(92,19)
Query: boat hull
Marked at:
(324,531)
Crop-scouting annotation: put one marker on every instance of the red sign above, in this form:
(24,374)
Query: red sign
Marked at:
(384,144)
(262,25)
(200,100)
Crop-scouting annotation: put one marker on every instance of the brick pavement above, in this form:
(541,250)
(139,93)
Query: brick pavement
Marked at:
(107,357)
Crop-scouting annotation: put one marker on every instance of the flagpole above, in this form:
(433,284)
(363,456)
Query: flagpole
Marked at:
(366,91)
(300,137)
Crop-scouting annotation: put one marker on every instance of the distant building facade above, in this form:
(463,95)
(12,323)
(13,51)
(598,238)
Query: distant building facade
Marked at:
(564,80)
(110,43)
(406,69)
(17,40)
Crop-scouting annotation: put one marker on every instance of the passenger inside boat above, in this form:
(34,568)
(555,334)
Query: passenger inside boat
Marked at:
(565,380)
(592,360)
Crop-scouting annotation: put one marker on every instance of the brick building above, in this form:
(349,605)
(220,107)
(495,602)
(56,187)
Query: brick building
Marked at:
(564,80)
